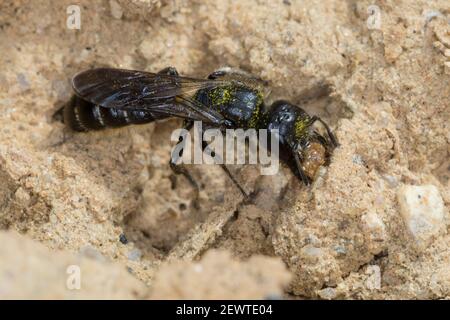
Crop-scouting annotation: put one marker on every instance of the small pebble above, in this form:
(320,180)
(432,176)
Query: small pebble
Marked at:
(91,252)
(374,226)
(391,180)
(357,159)
(116,9)
(134,255)
(23,82)
(311,253)
(313,239)
(123,239)
(447,67)
(327,293)
(22,196)
(340,250)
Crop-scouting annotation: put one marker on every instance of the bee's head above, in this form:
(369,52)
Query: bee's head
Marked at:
(296,132)
(293,124)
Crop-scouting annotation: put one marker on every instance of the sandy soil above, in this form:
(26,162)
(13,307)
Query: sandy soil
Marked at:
(375,224)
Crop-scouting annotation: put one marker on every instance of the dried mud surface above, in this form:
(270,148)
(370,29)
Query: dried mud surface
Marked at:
(375,224)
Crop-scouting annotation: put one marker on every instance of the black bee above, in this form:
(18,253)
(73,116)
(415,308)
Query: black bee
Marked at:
(108,97)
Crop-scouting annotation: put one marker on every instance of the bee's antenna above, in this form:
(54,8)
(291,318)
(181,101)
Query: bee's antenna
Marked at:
(330,134)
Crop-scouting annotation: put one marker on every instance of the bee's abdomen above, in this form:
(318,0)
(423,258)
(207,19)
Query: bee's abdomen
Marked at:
(81,115)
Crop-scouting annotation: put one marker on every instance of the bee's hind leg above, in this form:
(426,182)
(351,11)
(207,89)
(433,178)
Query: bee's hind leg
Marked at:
(181,169)
(175,157)
(205,146)
(236,183)
(58,116)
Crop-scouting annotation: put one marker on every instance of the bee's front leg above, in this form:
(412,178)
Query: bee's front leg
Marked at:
(298,163)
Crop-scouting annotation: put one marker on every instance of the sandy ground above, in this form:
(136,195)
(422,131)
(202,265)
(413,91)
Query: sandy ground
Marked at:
(375,224)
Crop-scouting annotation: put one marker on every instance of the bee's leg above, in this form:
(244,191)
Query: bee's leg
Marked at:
(333,139)
(216,74)
(170,71)
(180,168)
(241,189)
(300,171)
(65,137)
(58,115)
(328,147)
(205,146)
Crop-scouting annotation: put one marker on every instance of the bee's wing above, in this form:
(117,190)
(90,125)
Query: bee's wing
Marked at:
(136,90)
(241,77)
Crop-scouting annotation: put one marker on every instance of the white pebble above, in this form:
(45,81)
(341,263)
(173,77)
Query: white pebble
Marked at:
(327,293)
(134,255)
(373,282)
(422,210)
(116,9)
(22,197)
(374,226)
(91,252)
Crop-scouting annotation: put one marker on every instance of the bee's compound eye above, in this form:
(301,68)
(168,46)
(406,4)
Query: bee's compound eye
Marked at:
(287,117)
